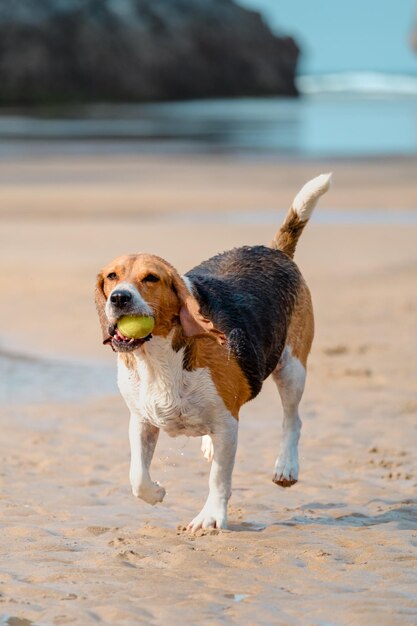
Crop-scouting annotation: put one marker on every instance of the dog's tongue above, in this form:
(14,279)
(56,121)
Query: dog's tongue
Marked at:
(120,336)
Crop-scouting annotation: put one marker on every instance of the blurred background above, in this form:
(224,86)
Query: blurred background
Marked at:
(306,79)
(141,124)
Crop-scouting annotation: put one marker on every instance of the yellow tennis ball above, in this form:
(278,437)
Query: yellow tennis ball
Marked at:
(135,326)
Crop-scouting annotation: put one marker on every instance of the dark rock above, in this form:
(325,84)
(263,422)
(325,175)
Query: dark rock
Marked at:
(136,50)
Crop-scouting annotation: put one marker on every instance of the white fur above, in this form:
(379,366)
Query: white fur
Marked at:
(143,437)
(207,447)
(161,394)
(166,395)
(306,199)
(290,378)
(188,283)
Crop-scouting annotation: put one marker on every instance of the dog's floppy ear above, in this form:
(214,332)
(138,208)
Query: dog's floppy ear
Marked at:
(100,300)
(192,320)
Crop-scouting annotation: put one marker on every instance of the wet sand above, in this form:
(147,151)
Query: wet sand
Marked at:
(75,547)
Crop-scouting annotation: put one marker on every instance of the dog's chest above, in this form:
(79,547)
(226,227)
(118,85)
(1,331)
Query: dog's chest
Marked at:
(160,391)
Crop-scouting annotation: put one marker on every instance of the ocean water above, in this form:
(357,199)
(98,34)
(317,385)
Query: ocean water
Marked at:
(34,379)
(358,116)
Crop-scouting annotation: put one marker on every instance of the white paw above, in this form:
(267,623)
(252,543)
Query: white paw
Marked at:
(152,492)
(207,447)
(211,516)
(286,469)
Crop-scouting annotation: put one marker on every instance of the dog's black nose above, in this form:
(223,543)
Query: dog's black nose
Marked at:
(120,298)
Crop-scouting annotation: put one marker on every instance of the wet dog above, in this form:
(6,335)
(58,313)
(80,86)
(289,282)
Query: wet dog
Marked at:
(219,332)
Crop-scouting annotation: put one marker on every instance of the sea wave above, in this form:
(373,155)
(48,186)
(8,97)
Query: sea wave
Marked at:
(358,83)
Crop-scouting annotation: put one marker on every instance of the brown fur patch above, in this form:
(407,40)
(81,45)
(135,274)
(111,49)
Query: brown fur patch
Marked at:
(225,371)
(288,235)
(301,329)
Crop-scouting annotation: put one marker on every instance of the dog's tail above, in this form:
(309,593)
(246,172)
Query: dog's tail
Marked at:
(299,214)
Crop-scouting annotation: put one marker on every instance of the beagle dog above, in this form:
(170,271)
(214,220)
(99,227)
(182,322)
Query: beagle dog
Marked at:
(219,332)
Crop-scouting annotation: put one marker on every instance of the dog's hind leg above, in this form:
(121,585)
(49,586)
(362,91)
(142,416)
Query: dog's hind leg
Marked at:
(289,377)
(207,447)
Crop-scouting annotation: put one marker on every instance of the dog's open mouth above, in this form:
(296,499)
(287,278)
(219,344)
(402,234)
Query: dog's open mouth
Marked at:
(121,343)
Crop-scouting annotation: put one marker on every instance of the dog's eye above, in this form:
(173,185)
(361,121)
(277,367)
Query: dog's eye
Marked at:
(150,278)
(112,276)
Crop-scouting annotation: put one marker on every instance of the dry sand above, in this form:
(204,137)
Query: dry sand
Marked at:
(338,548)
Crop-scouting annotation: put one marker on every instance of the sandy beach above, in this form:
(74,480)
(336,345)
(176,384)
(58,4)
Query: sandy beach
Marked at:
(340,547)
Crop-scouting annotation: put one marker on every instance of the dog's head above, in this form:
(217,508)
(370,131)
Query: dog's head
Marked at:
(144,284)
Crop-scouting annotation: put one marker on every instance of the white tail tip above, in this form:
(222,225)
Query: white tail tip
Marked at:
(306,199)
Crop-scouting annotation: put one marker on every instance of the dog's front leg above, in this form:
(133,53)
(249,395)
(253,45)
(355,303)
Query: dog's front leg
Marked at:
(214,512)
(143,437)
